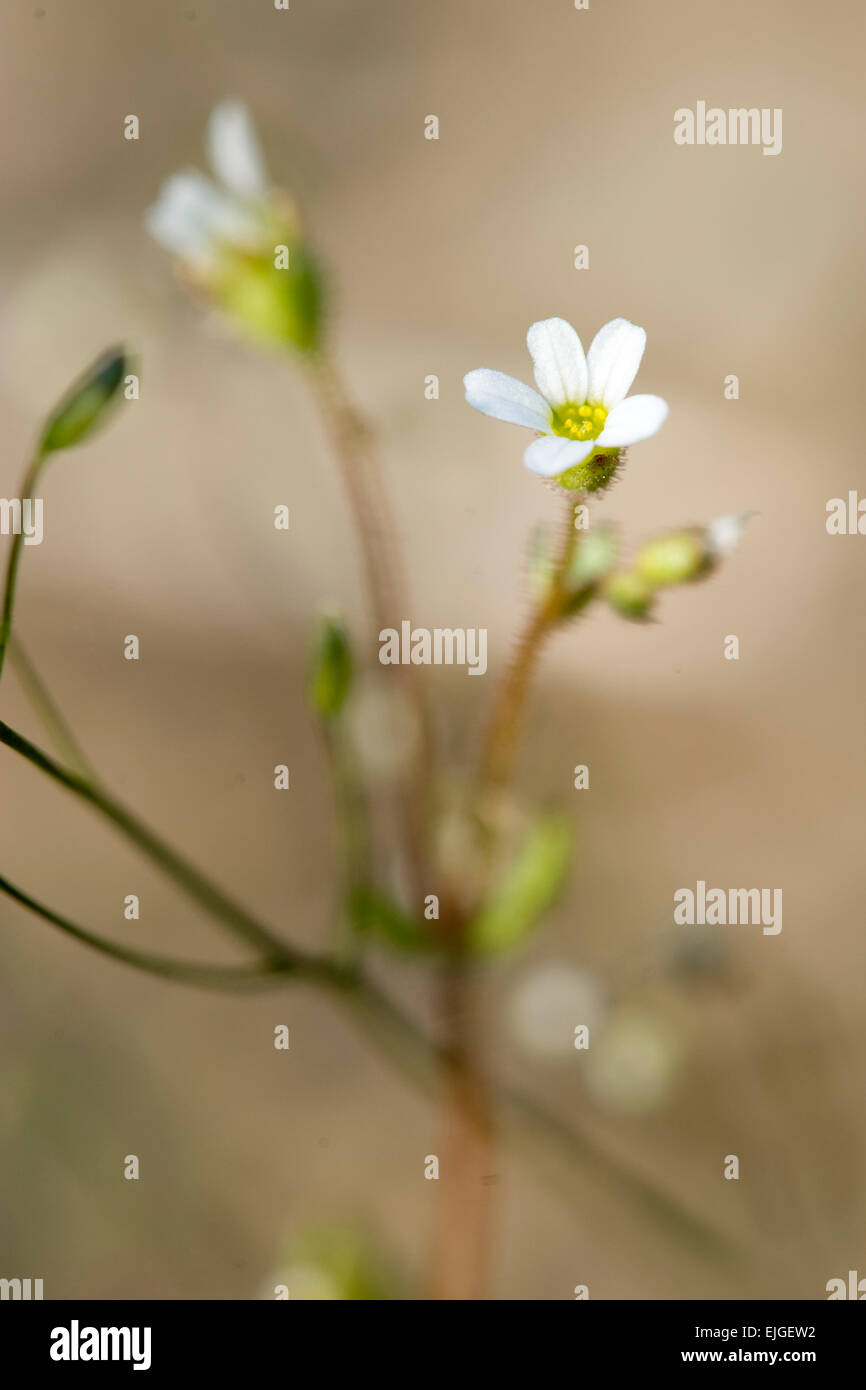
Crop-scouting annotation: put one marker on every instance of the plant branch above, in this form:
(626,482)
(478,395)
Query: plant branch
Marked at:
(569,1161)
(49,713)
(187,877)
(230,977)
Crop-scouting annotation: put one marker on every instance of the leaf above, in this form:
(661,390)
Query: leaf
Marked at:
(373,912)
(528,888)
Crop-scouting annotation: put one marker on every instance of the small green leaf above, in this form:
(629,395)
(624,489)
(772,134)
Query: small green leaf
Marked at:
(83,409)
(331,667)
(529,887)
(373,913)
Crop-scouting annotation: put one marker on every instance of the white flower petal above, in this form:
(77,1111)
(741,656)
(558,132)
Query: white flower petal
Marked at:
(633,419)
(181,218)
(195,214)
(552,455)
(559,361)
(613,360)
(233,151)
(506,398)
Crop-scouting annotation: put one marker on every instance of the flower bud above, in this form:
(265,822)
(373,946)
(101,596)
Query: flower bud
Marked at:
(330,668)
(629,594)
(83,409)
(674,559)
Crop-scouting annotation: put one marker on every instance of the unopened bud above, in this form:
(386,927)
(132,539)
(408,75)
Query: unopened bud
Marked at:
(84,407)
(673,559)
(629,593)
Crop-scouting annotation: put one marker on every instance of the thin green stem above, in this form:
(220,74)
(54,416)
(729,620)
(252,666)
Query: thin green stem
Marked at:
(48,711)
(187,877)
(28,486)
(228,977)
(568,1160)
(353,836)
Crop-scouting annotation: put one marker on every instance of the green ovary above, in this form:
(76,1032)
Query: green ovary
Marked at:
(580,422)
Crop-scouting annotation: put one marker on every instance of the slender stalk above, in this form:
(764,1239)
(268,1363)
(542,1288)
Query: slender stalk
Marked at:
(351,439)
(46,708)
(28,486)
(184,874)
(352,832)
(229,977)
(462,1240)
(569,1161)
(498,751)
(466,1173)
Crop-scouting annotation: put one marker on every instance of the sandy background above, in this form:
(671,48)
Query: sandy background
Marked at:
(556,129)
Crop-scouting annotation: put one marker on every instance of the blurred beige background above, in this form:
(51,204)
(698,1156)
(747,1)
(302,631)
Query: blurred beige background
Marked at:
(556,129)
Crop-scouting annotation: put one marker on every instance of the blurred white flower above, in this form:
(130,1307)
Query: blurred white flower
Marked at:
(383,726)
(549,1003)
(635,1060)
(724,533)
(239,241)
(583,406)
(194,215)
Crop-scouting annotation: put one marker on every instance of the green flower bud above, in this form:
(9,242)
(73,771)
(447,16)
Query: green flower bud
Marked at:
(629,593)
(331,668)
(674,559)
(84,407)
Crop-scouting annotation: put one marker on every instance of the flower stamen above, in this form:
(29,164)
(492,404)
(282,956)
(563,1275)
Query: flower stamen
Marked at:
(580,422)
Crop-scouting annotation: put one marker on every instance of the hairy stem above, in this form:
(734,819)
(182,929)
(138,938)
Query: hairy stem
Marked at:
(499,747)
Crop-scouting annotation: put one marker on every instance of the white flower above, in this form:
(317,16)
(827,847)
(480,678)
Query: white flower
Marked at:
(194,215)
(724,533)
(583,405)
(550,1002)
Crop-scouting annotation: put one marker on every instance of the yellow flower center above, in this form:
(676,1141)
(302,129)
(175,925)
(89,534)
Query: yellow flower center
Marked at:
(579,421)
